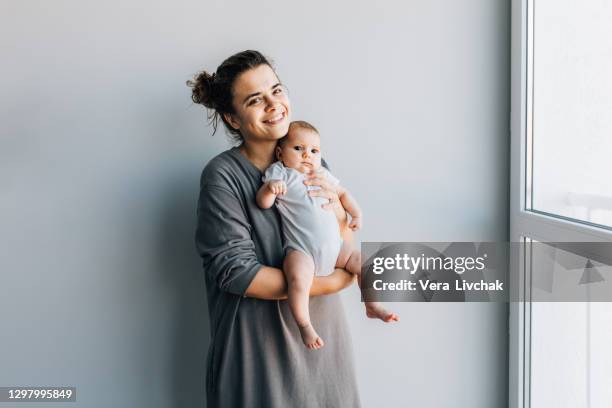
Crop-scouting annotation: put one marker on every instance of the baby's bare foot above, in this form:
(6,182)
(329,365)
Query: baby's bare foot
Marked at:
(310,337)
(375,311)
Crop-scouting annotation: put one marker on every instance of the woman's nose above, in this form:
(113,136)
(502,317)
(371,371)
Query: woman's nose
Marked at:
(271,105)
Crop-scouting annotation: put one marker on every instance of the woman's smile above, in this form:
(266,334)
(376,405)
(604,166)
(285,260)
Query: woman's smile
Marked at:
(276,119)
(262,107)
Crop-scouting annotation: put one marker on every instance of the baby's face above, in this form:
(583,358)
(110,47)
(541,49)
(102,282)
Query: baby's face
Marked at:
(301,150)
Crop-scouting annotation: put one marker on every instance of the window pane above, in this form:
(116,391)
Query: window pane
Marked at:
(572,109)
(570,355)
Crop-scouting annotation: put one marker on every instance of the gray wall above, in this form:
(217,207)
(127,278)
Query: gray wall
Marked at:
(101,152)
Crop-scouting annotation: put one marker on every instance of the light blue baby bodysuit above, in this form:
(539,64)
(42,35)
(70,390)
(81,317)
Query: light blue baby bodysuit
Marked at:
(306,226)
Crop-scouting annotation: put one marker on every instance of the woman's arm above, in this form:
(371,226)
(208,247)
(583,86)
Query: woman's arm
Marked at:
(270,284)
(223,239)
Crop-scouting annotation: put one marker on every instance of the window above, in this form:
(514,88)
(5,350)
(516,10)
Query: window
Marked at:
(569,101)
(561,167)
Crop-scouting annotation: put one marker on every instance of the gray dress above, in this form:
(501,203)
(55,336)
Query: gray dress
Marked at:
(256,357)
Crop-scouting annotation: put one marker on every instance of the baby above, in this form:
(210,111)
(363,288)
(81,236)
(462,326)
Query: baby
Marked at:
(313,245)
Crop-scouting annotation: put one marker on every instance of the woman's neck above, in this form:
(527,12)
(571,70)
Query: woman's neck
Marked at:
(260,154)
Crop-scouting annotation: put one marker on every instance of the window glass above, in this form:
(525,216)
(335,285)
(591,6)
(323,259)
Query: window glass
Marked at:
(572,109)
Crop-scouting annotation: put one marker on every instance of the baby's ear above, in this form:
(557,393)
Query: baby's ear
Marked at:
(279,153)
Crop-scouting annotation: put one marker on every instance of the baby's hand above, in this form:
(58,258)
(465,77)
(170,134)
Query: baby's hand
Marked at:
(278,187)
(355,223)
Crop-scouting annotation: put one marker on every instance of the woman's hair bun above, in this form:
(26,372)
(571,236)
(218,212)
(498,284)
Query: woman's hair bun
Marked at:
(214,91)
(202,89)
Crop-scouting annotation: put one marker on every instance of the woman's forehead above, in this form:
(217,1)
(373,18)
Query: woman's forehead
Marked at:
(258,79)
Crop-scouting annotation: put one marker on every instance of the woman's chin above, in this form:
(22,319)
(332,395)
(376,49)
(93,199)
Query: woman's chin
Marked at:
(281,132)
(280,129)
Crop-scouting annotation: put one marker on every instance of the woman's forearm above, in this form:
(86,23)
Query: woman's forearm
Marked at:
(269,284)
(335,282)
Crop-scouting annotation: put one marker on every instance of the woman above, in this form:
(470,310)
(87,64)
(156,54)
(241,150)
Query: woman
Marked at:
(256,358)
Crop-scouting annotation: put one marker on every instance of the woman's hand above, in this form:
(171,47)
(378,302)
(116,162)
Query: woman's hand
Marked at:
(328,190)
(270,284)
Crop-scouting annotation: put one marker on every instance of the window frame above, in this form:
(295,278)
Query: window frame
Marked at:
(523,221)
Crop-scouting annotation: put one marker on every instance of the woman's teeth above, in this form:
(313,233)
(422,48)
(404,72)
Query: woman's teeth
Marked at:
(275,119)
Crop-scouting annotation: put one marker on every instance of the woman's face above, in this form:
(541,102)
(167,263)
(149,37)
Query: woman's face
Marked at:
(262,107)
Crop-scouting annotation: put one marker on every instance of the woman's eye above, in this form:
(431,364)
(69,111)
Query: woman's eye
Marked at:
(277,91)
(254,101)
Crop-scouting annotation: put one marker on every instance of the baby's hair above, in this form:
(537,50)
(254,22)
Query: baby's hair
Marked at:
(302,124)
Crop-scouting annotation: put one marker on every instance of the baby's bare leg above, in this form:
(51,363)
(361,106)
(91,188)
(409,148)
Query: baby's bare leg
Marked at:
(350,260)
(299,271)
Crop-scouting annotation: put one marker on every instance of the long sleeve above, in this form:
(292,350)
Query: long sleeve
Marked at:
(223,240)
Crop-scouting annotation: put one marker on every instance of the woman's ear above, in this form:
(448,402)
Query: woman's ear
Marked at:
(279,153)
(229,118)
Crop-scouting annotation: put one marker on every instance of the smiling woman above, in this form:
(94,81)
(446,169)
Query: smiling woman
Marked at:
(256,358)
(262,114)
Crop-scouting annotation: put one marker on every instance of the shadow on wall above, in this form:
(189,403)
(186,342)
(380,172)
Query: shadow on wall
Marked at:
(180,263)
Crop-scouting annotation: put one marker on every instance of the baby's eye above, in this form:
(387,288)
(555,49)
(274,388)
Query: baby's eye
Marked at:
(315,151)
(297,147)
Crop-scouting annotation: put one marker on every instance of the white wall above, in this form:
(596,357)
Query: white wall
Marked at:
(101,153)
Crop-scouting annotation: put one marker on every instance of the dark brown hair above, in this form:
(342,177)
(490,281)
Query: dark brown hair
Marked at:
(215,91)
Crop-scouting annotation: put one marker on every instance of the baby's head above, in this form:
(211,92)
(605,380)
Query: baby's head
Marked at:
(300,149)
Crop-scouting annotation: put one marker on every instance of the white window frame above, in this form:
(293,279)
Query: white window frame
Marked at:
(523,222)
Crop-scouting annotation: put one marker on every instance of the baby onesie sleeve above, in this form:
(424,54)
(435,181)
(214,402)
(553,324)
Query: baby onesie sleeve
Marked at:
(276,171)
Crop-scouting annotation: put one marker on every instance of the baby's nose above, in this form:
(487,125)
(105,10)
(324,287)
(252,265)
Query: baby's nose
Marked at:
(305,154)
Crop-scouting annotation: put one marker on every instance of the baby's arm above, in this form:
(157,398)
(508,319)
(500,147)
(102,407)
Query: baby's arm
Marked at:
(350,205)
(268,192)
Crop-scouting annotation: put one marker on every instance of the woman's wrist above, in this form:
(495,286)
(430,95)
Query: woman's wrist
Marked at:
(320,286)
(333,283)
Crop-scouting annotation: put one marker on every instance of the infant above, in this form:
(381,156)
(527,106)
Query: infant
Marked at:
(313,245)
